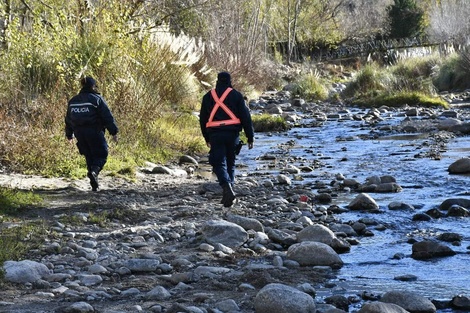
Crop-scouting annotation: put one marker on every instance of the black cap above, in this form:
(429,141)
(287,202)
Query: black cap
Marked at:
(88,82)
(223,77)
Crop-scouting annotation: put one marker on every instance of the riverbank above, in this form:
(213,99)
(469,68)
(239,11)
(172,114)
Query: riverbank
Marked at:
(155,250)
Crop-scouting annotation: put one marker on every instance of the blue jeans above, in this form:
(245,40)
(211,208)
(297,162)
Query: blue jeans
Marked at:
(222,155)
(92,144)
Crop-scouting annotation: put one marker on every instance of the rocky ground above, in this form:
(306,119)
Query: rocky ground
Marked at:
(142,246)
(159,217)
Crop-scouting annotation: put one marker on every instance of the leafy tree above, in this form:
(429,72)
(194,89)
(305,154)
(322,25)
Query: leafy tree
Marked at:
(406,19)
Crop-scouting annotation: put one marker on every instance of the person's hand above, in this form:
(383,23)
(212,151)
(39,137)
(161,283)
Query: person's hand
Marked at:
(250,145)
(115,138)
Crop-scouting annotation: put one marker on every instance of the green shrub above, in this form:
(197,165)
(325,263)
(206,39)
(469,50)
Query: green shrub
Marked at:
(148,81)
(371,79)
(454,73)
(408,82)
(400,99)
(268,123)
(415,74)
(311,87)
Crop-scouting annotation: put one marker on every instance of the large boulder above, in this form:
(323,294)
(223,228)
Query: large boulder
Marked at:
(463,128)
(409,301)
(448,203)
(363,202)
(79,307)
(282,237)
(388,187)
(448,123)
(318,233)
(281,298)
(461,166)
(246,222)
(428,249)
(141,265)
(461,302)
(380,307)
(25,271)
(310,253)
(223,232)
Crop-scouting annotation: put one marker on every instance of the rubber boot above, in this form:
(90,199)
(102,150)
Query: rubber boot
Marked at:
(228,195)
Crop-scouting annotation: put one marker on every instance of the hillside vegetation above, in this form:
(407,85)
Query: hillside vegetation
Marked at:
(154,61)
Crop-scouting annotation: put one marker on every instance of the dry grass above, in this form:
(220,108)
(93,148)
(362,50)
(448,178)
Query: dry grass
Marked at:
(151,89)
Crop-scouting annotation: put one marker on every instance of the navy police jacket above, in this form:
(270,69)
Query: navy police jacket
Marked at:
(88,109)
(236,103)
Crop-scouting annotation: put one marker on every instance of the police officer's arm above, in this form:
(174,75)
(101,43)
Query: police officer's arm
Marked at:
(204,117)
(68,126)
(247,123)
(107,118)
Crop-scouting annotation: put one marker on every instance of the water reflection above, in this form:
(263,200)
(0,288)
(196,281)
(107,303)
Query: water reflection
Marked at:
(357,152)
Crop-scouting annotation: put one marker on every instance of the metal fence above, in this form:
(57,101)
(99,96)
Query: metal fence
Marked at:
(388,49)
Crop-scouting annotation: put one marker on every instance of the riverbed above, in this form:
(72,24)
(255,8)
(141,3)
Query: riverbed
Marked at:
(359,150)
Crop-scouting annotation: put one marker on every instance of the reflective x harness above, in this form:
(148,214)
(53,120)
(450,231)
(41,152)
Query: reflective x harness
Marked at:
(219,103)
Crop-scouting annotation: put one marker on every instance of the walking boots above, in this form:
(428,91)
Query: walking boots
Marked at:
(93,176)
(228,195)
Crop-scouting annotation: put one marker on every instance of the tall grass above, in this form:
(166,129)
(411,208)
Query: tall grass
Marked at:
(415,74)
(409,82)
(370,80)
(311,87)
(454,73)
(399,99)
(269,123)
(149,82)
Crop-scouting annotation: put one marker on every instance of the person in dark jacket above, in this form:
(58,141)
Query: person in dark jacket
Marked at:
(223,115)
(87,118)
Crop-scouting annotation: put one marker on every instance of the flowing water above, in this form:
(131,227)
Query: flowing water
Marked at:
(347,147)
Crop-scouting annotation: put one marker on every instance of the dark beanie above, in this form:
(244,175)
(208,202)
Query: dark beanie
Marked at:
(88,82)
(223,77)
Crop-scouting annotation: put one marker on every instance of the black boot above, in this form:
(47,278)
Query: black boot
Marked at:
(228,195)
(93,176)
(224,198)
(224,195)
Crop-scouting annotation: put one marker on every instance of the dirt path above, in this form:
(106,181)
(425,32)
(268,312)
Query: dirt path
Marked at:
(134,210)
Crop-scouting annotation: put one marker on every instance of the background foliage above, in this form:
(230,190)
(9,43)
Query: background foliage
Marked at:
(153,60)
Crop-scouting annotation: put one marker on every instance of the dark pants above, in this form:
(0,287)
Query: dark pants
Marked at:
(222,155)
(92,144)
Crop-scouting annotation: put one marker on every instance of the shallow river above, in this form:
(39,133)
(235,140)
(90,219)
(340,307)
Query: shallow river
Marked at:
(341,148)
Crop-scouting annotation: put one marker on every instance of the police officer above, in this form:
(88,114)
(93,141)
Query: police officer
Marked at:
(223,115)
(87,118)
